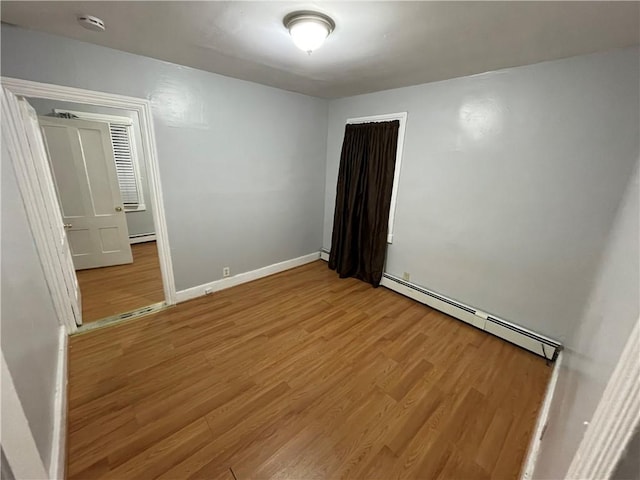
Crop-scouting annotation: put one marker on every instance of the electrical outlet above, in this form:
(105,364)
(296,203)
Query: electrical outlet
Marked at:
(226,272)
(406,276)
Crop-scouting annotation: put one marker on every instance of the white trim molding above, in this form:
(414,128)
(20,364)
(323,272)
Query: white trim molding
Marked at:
(142,107)
(224,283)
(541,423)
(37,208)
(389,117)
(615,419)
(59,438)
(98,117)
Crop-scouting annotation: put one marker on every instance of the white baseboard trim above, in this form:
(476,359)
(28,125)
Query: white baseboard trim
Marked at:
(324,255)
(59,438)
(217,285)
(148,237)
(541,424)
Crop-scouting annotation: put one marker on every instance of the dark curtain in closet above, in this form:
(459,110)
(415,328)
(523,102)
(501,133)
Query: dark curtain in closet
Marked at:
(363,199)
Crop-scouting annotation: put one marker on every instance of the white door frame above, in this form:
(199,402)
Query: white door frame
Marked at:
(28,185)
(389,117)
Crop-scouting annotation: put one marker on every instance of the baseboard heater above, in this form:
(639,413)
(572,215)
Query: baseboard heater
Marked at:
(527,339)
(142,238)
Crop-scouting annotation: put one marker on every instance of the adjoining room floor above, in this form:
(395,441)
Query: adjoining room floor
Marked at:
(110,291)
(300,375)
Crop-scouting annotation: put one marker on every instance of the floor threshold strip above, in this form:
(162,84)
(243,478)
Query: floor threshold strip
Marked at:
(122,317)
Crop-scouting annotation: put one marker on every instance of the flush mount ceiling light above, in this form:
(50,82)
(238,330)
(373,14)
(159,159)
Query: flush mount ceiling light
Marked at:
(308,29)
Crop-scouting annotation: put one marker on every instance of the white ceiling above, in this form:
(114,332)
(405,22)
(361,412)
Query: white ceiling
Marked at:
(375,46)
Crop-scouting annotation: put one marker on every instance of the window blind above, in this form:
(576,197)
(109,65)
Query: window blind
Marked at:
(125,169)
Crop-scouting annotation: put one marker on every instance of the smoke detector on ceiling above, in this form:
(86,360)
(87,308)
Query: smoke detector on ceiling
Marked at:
(91,23)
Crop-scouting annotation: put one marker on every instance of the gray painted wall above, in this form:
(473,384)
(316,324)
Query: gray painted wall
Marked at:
(510,186)
(509,183)
(242,165)
(594,347)
(30,329)
(139,222)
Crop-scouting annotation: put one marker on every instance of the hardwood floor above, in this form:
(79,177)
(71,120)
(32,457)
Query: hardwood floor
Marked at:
(300,375)
(110,291)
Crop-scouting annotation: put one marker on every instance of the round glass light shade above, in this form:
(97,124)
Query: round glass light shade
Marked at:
(308,29)
(308,35)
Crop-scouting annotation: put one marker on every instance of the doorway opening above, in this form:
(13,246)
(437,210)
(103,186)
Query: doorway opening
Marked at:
(88,167)
(102,187)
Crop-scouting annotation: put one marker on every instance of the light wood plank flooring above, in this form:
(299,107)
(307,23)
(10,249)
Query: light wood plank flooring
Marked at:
(114,290)
(300,375)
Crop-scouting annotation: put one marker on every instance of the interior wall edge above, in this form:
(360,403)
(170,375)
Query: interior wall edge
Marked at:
(615,419)
(596,349)
(59,439)
(18,443)
(541,423)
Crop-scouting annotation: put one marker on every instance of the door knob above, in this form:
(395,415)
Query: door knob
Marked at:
(118,209)
(67,226)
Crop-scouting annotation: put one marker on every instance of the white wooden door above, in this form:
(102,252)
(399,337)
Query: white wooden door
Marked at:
(52,207)
(86,184)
